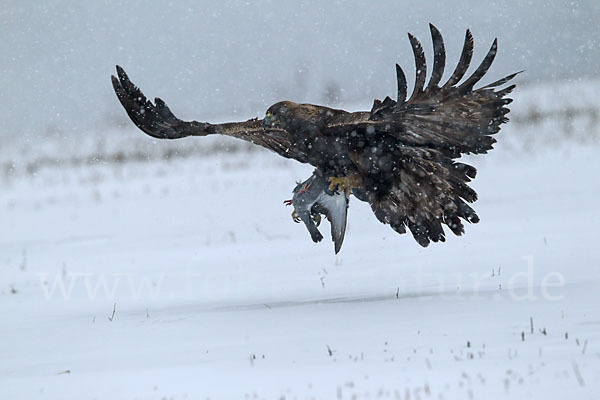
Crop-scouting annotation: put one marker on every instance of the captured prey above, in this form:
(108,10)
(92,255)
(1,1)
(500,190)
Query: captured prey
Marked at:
(312,198)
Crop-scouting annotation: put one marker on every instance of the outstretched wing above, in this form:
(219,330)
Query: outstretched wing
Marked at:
(456,118)
(437,124)
(157,120)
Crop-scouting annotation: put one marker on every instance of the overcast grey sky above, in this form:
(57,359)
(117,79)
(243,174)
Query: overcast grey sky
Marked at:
(210,60)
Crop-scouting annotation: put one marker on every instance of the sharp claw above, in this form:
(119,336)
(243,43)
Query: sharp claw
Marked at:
(337,185)
(333,183)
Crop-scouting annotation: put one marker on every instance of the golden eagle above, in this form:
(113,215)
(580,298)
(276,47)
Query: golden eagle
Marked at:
(399,157)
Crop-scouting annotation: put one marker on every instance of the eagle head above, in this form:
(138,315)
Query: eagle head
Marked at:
(296,117)
(279,114)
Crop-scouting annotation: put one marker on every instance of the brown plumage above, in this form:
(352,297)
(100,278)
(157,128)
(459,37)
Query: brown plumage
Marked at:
(400,155)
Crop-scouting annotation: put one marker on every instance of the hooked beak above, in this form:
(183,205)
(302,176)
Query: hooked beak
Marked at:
(266,123)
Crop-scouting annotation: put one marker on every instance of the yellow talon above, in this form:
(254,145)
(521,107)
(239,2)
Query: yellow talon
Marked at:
(338,184)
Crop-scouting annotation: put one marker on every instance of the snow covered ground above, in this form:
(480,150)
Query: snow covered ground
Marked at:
(127,276)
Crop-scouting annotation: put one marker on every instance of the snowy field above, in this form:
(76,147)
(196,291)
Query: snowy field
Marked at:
(137,269)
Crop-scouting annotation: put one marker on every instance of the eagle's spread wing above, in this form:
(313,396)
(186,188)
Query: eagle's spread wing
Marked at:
(158,121)
(456,118)
(433,127)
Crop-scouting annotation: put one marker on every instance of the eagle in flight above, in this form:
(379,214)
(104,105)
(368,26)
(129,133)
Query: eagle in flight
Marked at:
(400,157)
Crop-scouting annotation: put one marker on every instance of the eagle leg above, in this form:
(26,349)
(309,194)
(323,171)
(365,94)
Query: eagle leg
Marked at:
(345,183)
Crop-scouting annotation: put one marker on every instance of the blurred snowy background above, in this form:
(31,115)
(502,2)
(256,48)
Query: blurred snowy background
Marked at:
(211,60)
(133,268)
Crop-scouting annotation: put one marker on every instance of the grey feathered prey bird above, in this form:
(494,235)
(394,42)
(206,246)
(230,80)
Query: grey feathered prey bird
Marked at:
(312,198)
(400,157)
